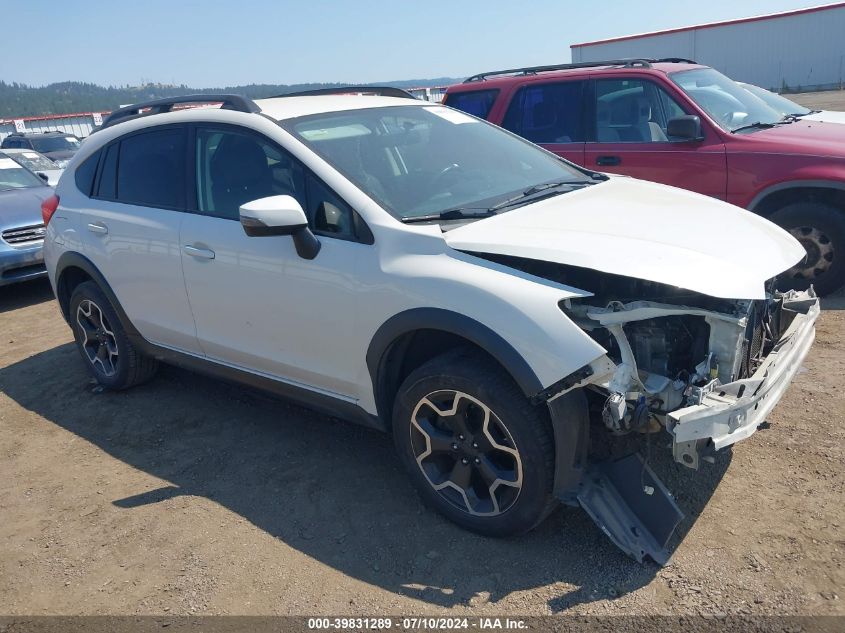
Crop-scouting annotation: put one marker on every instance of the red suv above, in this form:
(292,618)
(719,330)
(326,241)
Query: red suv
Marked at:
(679,123)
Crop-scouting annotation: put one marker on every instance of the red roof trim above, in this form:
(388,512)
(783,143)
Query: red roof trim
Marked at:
(709,25)
(45,117)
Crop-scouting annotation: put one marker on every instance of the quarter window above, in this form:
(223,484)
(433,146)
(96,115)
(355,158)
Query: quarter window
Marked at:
(85,173)
(548,113)
(633,111)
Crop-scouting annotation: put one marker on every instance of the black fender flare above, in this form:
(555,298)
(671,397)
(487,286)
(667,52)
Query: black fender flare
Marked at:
(72,259)
(453,323)
(793,184)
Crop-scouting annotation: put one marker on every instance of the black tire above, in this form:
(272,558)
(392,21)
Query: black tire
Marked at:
(527,431)
(117,364)
(821,229)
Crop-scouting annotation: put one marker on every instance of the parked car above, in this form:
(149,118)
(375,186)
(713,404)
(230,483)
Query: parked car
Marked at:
(406,266)
(59,147)
(787,107)
(37,163)
(687,125)
(21,224)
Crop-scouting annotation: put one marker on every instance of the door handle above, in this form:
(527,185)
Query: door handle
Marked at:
(199,253)
(98,228)
(608,160)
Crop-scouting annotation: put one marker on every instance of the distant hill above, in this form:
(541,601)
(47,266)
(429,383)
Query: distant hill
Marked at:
(74,96)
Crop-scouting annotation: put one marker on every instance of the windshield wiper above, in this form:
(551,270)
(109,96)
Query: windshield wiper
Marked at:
(532,191)
(449,214)
(758,125)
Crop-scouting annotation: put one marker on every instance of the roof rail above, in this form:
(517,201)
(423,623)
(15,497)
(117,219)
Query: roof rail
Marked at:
(530,70)
(159,106)
(379,91)
(672,60)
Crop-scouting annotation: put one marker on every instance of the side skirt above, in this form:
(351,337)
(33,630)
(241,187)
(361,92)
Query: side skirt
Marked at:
(323,403)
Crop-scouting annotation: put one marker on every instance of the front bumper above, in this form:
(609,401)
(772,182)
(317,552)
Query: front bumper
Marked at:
(21,264)
(734,411)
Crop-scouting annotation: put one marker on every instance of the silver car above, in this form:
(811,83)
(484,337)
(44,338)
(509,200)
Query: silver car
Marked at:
(21,226)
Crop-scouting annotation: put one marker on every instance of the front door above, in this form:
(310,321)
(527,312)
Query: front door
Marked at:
(629,118)
(258,305)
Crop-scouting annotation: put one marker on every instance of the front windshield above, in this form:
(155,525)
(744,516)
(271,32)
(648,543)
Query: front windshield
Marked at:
(55,144)
(783,105)
(423,160)
(33,161)
(728,104)
(13,176)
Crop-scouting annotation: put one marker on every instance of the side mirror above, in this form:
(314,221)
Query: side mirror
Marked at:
(684,128)
(280,215)
(43,176)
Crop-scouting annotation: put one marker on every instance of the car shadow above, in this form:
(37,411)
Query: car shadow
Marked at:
(331,489)
(834,301)
(26,293)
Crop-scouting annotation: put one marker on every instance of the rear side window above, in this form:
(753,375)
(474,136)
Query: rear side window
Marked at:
(151,169)
(477,103)
(548,113)
(85,173)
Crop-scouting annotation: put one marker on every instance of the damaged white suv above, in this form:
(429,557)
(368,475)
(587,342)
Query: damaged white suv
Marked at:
(415,269)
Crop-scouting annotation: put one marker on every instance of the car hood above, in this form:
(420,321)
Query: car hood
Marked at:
(644,230)
(828,116)
(803,137)
(22,207)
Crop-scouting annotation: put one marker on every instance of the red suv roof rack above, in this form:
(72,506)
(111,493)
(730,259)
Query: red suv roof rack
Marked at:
(627,63)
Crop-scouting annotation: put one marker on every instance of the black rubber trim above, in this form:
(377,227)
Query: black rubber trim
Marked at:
(571,435)
(794,184)
(454,323)
(317,401)
(561,385)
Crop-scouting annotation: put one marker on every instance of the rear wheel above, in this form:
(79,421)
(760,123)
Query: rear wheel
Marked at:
(108,353)
(473,445)
(821,230)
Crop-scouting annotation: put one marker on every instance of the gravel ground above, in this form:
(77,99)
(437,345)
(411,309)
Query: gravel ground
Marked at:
(192,496)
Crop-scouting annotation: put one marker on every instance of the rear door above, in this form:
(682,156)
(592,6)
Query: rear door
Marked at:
(628,135)
(131,228)
(550,114)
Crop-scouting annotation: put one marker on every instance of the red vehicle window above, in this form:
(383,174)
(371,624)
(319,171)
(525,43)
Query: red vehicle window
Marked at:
(477,103)
(548,113)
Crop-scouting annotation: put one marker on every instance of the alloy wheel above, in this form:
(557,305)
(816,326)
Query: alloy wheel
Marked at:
(819,249)
(466,453)
(99,342)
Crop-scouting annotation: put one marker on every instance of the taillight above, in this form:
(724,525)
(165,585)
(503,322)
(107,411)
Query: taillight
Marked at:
(48,208)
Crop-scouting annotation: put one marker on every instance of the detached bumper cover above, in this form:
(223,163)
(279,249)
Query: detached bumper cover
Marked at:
(734,411)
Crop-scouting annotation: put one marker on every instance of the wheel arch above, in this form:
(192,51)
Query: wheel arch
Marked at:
(73,269)
(778,196)
(412,337)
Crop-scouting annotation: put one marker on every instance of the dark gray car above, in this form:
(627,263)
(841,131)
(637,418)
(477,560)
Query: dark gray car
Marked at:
(21,226)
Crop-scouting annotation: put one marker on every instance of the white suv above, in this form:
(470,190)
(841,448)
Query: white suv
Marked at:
(418,270)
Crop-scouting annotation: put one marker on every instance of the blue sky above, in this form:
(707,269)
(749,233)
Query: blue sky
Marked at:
(216,43)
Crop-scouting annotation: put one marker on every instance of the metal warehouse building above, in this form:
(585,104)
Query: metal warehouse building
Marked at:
(802,49)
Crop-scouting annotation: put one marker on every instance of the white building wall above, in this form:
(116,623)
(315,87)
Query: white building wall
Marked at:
(805,50)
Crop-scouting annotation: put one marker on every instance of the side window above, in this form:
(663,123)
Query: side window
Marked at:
(548,113)
(85,173)
(477,103)
(234,168)
(328,214)
(151,169)
(633,111)
(107,185)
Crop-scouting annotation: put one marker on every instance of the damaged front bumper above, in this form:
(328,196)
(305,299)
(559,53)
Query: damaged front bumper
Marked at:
(731,412)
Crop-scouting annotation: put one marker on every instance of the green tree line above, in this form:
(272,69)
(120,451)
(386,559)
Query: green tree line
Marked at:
(20,100)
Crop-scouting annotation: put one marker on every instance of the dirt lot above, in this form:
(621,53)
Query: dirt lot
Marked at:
(189,495)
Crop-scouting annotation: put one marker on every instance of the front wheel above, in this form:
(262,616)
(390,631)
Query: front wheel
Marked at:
(821,230)
(473,445)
